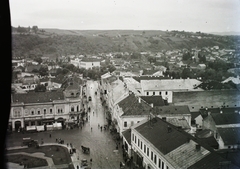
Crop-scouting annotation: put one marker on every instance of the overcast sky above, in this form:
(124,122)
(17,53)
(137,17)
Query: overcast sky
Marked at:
(188,15)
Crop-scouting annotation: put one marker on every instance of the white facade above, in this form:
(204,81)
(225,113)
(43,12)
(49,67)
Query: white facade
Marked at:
(89,65)
(166,95)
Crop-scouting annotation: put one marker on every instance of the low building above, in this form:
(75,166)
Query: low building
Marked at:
(89,63)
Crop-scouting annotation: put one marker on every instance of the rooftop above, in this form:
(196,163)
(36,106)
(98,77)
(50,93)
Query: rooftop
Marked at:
(155,100)
(91,60)
(227,118)
(139,78)
(171,110)
(127,135)
(172,84)
(131,106)
(37,97)
(230,136)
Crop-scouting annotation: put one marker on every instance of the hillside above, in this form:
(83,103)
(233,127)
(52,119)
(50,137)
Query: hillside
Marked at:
(56,42)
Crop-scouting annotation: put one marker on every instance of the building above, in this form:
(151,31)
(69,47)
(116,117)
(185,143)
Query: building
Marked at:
(166,87)
(156,144)
(89,63)
(45,108)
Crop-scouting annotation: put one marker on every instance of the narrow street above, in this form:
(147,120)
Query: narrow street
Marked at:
(102,146)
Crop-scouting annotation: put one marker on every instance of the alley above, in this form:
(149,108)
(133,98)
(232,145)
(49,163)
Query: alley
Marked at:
(101,143)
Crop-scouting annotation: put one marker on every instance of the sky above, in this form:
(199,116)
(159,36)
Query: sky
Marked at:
(187,15)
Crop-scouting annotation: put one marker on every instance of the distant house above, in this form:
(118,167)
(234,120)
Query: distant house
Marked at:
(229,137)
(201,66)
(30,68)
(222,123)
(89,63)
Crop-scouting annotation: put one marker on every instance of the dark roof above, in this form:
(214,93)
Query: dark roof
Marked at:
(230,136)
(227,118)
(37,97)
(211,161)
(207,136)
(45,79)
(30,68)
(139,78)
(195,115)
(131,106)
(171,110)
(127,135)
(221,109)
(156,100)
(59,79)
(110,79)
(73,86)
(91,60)
(157,134)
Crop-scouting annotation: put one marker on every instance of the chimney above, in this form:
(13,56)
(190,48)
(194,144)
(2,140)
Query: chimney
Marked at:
(198,147)
(169,129)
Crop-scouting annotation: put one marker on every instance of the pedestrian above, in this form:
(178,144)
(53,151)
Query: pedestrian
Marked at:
(50,135)
(91,160)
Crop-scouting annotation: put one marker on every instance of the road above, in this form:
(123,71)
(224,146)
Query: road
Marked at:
(102,146)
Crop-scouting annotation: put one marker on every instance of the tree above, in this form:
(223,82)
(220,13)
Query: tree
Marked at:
(21,30)
(43,71)
(186,56)
(151,59)
(35,29)
(40,88)
(39,60)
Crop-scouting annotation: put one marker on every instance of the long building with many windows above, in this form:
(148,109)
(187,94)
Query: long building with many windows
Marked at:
(156,144)
(44,108)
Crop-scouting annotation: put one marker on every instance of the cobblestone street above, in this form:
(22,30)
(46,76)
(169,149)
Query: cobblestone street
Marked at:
(101,143)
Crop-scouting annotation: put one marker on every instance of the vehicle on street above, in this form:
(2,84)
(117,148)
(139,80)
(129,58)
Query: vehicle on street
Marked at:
(29,142)
(84,162)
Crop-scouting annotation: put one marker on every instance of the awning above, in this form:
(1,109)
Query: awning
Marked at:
(48,120)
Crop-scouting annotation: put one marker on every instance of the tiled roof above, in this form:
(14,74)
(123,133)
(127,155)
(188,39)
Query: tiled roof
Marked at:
(227,118)
(230,136)
(156,100)
(127,135)
(211,161)
(131,106)
(171,110)
(178,146)
(139,78)
(156,132)
(37,97)
(172,84)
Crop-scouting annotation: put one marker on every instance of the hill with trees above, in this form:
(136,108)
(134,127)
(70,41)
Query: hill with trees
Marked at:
(35,42)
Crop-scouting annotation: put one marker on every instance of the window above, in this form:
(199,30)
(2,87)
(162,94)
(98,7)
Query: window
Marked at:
(162,165)
(138,143)
(32,112)
(138,121)
(147,93)
(141,145)
(166,93)
(125,124)
(159,163)
(72,108)
(151,155)
(58,110)
(160,93)
(26,112)
(135,139)
(44,111)
(167,167)
(147,151)
(144,148)
(38,111)
(61,110)
(153,93)
(50,110)
(155,159)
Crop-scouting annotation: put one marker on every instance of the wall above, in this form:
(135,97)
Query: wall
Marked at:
(165,96)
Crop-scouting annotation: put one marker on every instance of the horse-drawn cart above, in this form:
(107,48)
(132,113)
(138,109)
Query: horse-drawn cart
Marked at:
(85,150)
